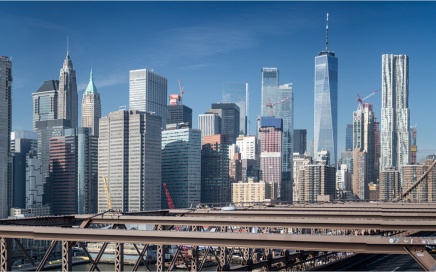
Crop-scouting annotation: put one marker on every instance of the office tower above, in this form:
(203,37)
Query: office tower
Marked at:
(21,144)
(34,181)
(215,183)
(360,175)
(5,131)
(181,165)
(316,182)
(364,150)
(91,107)
(299,162)
(177,114)
(45,102)
(229,114)
(342,179)
(271,133)
(300,141)
(67,94)
(247,146)
(148,93)
(349,137)
(129,158)
(63,172)
(426,190)
(395,118)
(376,149)
(347,159)
(326,102)
(235,168)
(209,124)
(238,93)
(389,184)
(278,101)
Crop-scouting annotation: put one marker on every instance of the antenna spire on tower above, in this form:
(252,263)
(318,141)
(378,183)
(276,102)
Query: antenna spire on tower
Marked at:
(327,34)
(68,44)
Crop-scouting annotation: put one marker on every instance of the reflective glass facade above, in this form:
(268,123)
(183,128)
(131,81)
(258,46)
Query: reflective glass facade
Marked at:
(238,93)
(326,104)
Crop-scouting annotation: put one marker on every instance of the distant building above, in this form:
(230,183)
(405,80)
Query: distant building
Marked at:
(5,132)
(247,146)
(209,124)
(426,190)
(148,93)
(235,168)
(389,184)
(249,193)
(360,180)
(271,133)
(229,114)
(215,182)
(316,182)
(45,102)
(373,191)
(326,102)
(343,181)
(300,141)
(181,165)
(349,137)
(130,140)
(67,93)
(299,162)
(177,114)
(238,93)
(34,181)
(395,118)
(91,107)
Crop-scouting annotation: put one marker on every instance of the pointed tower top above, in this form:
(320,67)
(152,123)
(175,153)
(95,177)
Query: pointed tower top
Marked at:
(91,89)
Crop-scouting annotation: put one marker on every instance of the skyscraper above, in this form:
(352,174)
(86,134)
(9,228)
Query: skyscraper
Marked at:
(271,133)
(349,137)
(91,107)
(148,93)
(238,93)
(177,114)
(209,124)
(45,102)
(5,131)
(67,94)
(181,165)
(281,105)
(326,102)
(129,158)
(395,119)
(300,141)
(229,114)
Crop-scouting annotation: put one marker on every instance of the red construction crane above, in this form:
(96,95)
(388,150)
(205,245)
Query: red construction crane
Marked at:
(271,105)
(169,199)
(360,100)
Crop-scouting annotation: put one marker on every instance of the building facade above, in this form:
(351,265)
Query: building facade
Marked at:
(129,159)
(229,114)
(209,124)
(5,132)
(45,102)
(91,107)
(395,119)
(316,182)
(271,133)
(181,165)
(389,184)
(215,181)
(177,114)
(67,94)
(349,137)
(237,93)
(148,93)
(326,102)
(300,141)
(426,190)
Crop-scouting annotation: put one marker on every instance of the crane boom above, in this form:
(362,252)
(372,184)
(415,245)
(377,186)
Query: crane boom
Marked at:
(360,100)
(108,197)
(169,199)
(271,105)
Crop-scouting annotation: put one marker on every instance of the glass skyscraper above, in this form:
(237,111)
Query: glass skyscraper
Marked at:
(238,93)
(326,103)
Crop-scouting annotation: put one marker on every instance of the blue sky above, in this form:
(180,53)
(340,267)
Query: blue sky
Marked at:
(207,43)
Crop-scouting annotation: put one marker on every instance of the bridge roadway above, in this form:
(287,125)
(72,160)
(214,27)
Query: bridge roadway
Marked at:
(330,227)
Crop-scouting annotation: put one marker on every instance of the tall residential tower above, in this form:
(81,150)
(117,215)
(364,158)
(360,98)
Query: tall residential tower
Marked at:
(326,102)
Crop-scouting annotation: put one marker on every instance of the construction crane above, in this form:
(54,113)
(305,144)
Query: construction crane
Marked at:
(182,90)
(176,99)
(360,100)
(108,197)
(271,105)
(169,199)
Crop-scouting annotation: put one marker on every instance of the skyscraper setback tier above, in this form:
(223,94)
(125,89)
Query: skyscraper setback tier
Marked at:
(67,94)
(5,131)
(45,102)
(148,93)
(395,119)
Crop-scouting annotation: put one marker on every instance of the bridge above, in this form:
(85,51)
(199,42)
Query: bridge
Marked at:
(284,237)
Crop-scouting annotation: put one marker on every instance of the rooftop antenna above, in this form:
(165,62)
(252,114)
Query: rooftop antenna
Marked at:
(68,43)
(327,34)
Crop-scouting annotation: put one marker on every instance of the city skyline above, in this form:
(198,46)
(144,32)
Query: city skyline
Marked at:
(204,51)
